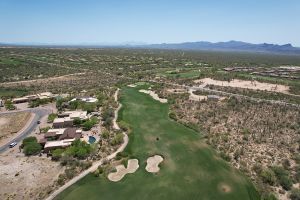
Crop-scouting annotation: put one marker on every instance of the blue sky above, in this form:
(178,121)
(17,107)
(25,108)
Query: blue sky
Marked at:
(151,21)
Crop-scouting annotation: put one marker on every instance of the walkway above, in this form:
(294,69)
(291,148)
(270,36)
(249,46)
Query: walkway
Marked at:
(96,164)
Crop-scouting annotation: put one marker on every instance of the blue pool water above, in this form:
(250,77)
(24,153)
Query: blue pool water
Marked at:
(92,139)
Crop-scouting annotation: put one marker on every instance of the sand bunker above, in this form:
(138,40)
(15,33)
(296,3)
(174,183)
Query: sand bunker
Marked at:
(131,85)
(253,85)
(154,96)
(153,162)
(195,97)
(132,166)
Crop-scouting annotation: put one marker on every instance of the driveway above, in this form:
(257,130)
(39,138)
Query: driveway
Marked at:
(39,113)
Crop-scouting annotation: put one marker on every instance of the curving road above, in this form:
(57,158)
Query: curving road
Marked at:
(39,113)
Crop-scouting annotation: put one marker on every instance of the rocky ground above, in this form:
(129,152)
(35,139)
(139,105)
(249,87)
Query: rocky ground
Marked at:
(24,177)
(249,135)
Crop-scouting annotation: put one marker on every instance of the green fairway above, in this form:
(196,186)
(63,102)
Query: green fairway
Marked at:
(191,169)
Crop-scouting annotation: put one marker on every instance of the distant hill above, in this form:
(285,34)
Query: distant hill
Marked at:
(235,46)
(229,46)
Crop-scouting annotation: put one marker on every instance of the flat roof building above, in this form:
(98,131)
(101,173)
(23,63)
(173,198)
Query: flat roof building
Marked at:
(51,145)
(63,138)
(75,114)
(62,122)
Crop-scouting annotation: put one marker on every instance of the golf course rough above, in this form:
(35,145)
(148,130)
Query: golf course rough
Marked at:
(190,170)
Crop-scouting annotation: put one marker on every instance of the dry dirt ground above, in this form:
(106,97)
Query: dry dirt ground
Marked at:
(39,81)
(253,85)
(11,123)
(26,177)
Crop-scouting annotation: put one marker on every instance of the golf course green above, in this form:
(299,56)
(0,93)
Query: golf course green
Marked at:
(191,169)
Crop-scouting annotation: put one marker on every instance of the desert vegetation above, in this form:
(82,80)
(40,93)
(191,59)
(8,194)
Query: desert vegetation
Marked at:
(258,138)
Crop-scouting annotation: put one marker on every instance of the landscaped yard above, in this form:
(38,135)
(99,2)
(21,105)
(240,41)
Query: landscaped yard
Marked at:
(190,170)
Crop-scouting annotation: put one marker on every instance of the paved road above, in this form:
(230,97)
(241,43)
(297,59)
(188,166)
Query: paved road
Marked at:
(38,114)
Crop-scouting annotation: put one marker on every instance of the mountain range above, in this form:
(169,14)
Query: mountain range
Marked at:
(228,46)
(234,46)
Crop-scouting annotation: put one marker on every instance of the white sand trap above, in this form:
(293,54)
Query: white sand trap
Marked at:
(253,85)
(132,166)
(131,85)
(154,96)
(153,162)
(195,97)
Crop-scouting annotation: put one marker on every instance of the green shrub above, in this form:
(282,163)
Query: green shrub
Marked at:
(225,156)
(28,140)
(51,117)
(32,148)
(124,126)
(77,121)
(297,174)
(45,130)
(270,196)
(286,182)
(79,149)
(70,173)
(57,154)
(283,177)
(173,116)
(87,125)
(268,176)
(118,139)
(61,180)
(9,105)
(295,194)
(105,134)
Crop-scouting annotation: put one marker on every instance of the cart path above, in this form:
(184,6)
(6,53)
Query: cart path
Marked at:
(96,164)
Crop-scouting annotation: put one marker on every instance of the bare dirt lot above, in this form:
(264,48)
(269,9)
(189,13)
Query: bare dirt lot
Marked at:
(11,123)
(44,80)
(253,85)
(26,177)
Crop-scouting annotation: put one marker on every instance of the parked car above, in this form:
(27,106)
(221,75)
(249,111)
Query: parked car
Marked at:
(38,122)
(12,145)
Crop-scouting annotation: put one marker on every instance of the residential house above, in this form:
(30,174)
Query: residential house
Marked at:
(60,138)
(62,122)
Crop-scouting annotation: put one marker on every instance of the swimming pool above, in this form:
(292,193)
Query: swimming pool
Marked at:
(92,139)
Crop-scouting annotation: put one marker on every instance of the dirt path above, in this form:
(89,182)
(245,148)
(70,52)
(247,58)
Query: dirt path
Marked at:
(40,80)
(115,124)
(97,163)
(201,88)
